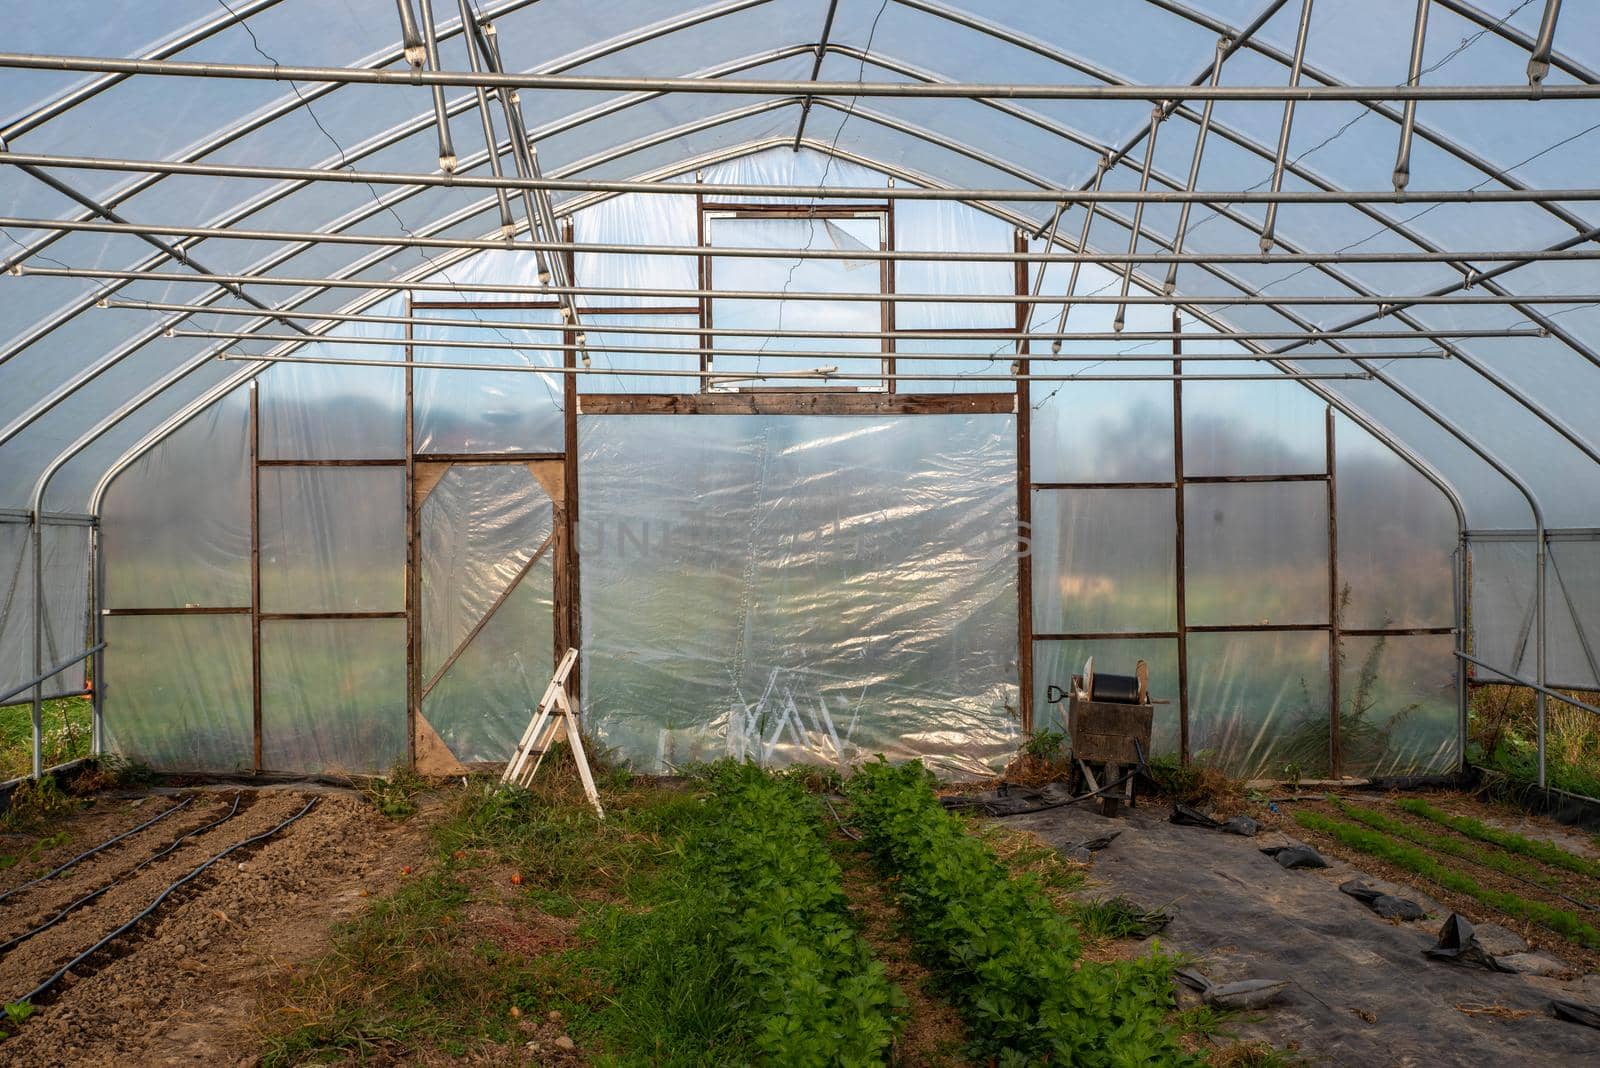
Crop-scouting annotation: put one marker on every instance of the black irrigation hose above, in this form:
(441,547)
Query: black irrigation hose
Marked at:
(91,895)
(107,844)
(150,908)
(984,803)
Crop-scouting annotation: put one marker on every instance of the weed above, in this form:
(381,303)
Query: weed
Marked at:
(1117,917)
(34,803)
(1561,921)
(1503,723)
(65,725)
(1509,840)
(395,796)
(1198,783)
(110,771)
(35,850)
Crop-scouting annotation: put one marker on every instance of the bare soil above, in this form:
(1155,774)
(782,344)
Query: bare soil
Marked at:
(182,987)
(933,1036)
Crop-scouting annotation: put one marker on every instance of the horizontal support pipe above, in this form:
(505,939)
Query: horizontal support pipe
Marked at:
(772,87)
(1520,681)
(1393,303)
(976,333)
(808,375)
(906,192)
(788,354)
(895,255)
(45,675)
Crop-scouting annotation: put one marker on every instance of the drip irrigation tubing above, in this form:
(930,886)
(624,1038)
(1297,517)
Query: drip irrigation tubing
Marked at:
(55,978)
(91,895)
(107,844)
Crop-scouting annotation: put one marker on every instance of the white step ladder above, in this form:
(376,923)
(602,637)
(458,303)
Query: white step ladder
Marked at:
(553,718)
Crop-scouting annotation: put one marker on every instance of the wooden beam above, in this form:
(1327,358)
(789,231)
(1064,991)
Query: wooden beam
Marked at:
(786,403)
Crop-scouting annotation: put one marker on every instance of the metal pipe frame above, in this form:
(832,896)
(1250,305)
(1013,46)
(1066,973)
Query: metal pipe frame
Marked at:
(816,68)
(1201,133)
(1154,94)
(1539,58)
(1138,213)
(504,244)
(447,148)
(803,354)
(745,190)
(807,375)
(907,334)
(1287,125)
(48,674)
(1246,143)
(1402,160)
(1390,303)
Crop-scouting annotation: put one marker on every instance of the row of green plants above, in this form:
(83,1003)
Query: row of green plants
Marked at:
(1563,922)
(1450,845)
(1004,956)
(1547,852)
(804,980)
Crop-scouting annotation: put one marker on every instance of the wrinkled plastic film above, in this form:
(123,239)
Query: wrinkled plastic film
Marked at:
(479,526)
(481,706)
(800,588)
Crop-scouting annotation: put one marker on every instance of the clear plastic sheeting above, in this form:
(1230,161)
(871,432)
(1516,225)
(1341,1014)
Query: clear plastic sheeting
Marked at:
(488,411)
(800,588)
(178,691)
(66,592)
(1502,574)
(478,528)
(1258,703)
(1397,535)
(1104,561)
(177,521)
(1256,553)
(1101,431)
(333,695)
(1397,705)
(332,539)
(323,412)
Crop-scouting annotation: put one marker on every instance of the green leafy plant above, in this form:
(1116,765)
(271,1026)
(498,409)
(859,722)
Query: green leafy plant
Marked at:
(1509,840)
(809,990)
(395,796)
(1450,846)
(1561,921)
(1007,960)
(1045,745)
(18,1011)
